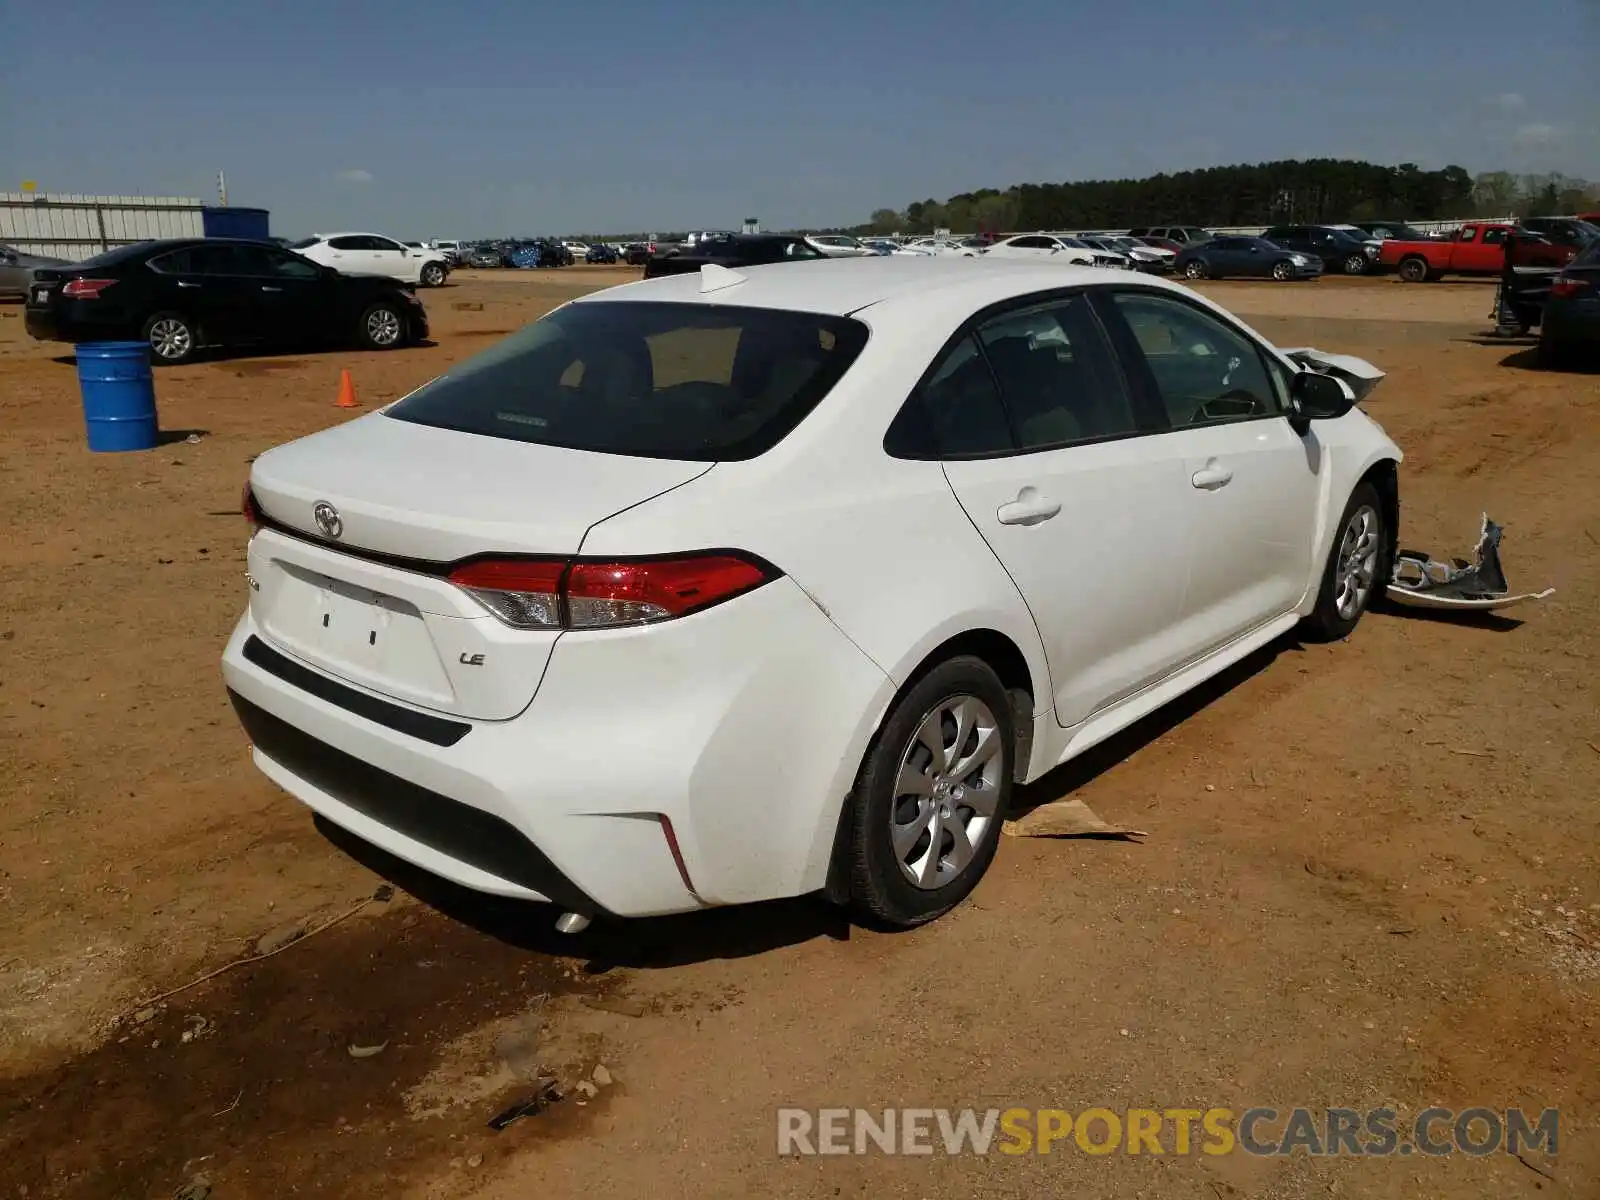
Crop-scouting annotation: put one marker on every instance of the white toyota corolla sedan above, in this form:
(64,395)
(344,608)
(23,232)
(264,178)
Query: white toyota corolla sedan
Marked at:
(737,585)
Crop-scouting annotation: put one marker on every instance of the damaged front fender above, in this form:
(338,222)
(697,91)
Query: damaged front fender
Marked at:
(1422,581)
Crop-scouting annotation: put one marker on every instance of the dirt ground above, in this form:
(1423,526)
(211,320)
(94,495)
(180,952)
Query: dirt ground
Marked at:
(1370,876)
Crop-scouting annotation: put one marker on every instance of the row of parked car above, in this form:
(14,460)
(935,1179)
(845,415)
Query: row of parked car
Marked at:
(1283,252)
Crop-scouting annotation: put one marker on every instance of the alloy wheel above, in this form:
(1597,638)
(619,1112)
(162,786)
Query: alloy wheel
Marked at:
(1195,269)
(1280,271)
(947,792)
(383,327)
(1358,562)
(170,339)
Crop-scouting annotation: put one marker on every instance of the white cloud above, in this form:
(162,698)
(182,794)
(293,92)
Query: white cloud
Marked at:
(1536,133)
(1510,102)
(354,175)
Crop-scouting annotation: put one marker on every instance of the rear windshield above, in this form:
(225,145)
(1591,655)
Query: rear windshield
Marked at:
(681,381)
(303,243)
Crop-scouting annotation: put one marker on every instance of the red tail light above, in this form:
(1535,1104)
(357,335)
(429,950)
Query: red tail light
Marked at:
(86,289)
(594,594)
(251,511)
(1567,288)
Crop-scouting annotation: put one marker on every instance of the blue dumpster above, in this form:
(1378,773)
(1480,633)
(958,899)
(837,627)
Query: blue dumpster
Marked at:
(119,395)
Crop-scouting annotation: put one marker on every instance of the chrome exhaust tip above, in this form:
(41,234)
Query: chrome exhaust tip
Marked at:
(572,922)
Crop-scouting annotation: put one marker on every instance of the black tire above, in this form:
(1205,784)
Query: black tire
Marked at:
(1327,623)
(433,275)
(1195,269)
(173,338)
(1356,264)
(1414,269)
(382,326)
(1283,271)
(880,890)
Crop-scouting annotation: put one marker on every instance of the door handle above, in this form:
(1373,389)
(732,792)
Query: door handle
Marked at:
(1029,508)
(267,288)
(185,283)
(1211,477)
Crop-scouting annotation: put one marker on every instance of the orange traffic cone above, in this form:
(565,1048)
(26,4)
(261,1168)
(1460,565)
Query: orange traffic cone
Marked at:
(347,392)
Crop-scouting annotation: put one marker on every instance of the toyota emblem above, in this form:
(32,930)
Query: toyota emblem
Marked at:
(327,518)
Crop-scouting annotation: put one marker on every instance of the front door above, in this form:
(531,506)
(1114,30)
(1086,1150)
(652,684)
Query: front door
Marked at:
(1051,460)
(1254,483)
(292,297)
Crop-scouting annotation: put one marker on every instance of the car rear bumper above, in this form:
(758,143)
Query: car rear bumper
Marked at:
(1572,322)
(742,726)
(52,325)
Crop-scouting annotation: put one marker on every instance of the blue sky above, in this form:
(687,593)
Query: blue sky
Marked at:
(489,117)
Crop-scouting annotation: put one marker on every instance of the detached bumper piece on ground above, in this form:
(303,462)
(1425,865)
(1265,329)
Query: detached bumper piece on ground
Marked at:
(1421,581)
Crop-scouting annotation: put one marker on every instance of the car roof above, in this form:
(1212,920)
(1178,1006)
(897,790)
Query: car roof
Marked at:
(841,286)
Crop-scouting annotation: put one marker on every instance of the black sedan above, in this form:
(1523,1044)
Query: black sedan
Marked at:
(182,295)
(1570,329)
(600,253)
(735,250)
(1336,247)
(1245,257)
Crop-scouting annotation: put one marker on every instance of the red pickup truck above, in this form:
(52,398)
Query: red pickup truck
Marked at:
(1477,248)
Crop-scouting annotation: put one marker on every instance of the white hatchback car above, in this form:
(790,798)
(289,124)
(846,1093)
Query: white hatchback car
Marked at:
(374,254)
(729,586)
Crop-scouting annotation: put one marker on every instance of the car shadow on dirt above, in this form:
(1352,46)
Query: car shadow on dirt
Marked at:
(642,943)
(233,357)
(1530,359)
(1070,776)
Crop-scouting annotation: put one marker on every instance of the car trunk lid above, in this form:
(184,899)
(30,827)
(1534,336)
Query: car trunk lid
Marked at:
(362,594)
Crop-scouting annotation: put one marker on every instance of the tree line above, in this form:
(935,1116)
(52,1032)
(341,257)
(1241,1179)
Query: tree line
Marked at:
(1311,191)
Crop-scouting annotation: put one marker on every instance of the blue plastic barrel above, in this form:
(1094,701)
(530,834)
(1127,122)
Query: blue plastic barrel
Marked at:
(119,395)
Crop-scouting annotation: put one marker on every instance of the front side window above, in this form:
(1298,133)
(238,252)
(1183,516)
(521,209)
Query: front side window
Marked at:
(290,266)
(1204,372)
(655,380)
(1057,376)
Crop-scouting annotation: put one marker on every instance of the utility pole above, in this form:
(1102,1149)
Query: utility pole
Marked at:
(222,189)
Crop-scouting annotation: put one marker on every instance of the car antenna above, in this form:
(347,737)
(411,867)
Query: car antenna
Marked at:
(714,278)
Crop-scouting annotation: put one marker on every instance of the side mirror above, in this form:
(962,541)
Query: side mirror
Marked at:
(1314,397)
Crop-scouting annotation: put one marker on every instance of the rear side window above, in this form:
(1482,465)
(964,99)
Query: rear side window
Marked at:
(681,381)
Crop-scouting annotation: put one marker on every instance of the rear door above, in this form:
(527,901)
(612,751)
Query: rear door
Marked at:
(209,284)
(353,254)
(1291,237)
(1253,482)
(1054,465)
